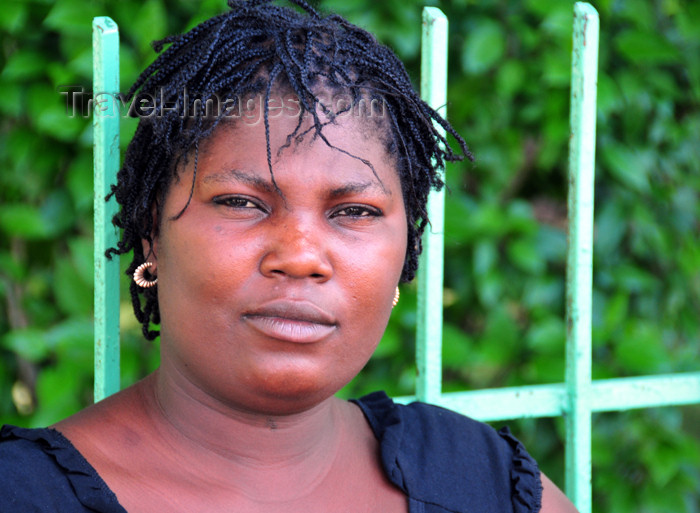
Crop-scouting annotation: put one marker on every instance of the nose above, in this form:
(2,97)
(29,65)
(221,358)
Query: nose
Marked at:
(296,249)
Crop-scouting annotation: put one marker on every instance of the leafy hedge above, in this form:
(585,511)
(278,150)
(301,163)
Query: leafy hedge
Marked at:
(506,216)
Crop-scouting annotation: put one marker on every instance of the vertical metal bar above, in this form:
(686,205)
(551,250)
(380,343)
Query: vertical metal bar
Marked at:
(105,47)
(430,273)
(579,270)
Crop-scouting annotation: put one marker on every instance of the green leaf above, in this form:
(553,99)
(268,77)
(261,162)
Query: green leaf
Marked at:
(56,391)
(81,252)
(558,21)
(81,64)
(631,167)
(500,338)
(30,343)
(639,349)
(488,220)
(543,8)
(546,368)
(49,115)
(148,24)
(23,65)
(610,228)
(485,257)
(80,183)
(20,220)
(664,462)
(550,244)
(57,212)
(545,292)
(13,16)
(557,69)
(645,48)
(456,346)
(524,255)
(639,12)
(547,336)
(72,17)
(10,267)
(634,279)
(483,47)
(73,339)
(489,288)
(73,297)
(12,100)
(616,311)
(510,78)
(608,95)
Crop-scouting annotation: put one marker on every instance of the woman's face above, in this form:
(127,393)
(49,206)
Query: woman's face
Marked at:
(273,299)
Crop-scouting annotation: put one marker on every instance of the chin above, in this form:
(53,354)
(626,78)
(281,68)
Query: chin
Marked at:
(283,395)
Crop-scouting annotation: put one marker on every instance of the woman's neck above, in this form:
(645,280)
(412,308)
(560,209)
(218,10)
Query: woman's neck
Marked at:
(186,411)
(277,457)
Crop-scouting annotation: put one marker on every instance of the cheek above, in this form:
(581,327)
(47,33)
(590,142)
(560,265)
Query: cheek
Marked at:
(375,262)
(371,284)
(197,270)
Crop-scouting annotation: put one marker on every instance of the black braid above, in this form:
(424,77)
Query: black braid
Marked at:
(254,48)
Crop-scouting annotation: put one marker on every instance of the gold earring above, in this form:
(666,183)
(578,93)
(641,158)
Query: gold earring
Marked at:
(396,298)
(139,277)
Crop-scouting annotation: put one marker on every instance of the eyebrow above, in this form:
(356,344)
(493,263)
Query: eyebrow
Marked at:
(357,187)
(260,183)
(237,175)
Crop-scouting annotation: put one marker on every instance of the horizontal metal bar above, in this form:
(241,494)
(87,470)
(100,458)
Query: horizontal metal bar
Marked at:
(551,400)
(646,392)
(506,403)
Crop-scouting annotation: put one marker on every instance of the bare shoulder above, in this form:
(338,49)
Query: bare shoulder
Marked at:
(106,428)
(553,499)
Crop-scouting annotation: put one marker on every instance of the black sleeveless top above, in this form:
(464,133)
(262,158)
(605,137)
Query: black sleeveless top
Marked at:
(444,463)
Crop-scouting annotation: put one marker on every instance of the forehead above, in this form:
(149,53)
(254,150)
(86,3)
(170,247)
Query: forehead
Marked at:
(331,107)
(276,127)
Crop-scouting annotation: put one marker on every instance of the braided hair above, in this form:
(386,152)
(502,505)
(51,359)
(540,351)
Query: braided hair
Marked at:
(249,50)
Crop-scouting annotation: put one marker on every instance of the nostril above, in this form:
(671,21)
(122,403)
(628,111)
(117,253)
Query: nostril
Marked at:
(296,259)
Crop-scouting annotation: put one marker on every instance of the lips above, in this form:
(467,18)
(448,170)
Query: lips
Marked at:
(291,321)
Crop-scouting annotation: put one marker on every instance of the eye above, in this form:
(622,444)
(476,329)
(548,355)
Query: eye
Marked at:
(237,202)
(357,211)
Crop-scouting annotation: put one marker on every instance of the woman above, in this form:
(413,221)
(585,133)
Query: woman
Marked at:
(274,197)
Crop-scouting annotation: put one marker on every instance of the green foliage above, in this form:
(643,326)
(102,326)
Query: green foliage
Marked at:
(506,216)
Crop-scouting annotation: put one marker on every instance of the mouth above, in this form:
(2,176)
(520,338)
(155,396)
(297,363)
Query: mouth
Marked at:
(289,321)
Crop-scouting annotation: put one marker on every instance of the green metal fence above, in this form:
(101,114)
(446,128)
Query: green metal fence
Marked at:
(105,52)
(575,399)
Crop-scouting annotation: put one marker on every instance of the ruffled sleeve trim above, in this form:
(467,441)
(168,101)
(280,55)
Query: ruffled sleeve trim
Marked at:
(90,490)
(524,475)
(450,463)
